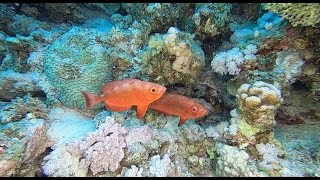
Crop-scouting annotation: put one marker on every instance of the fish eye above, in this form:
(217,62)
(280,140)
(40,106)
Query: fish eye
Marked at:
(153,90)
(194,109)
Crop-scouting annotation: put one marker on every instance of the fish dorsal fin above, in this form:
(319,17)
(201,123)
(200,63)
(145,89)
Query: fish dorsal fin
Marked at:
(182,120)
(141,111)
(116,108)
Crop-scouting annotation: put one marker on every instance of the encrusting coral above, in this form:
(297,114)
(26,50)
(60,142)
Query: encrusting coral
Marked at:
(210,19)
(23,107)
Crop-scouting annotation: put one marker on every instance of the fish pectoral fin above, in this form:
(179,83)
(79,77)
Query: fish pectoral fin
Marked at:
(116,107)
(182,120)
(141,111)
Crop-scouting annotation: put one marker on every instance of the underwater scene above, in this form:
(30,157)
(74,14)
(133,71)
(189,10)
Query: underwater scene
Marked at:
(160,89)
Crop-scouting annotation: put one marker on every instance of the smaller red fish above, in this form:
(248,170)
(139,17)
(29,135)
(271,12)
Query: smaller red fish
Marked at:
(175,104)
(122,95)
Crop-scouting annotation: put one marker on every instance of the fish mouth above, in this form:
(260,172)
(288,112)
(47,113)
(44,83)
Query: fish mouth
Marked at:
(163,90)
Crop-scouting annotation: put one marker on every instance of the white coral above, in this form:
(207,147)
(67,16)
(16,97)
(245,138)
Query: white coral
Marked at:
(160,167)
(288,66)
(181,50)
(235,162)
(229,62)
(103,149)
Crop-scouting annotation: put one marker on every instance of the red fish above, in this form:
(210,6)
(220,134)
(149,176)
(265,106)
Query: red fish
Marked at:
(175,104)
(122,95)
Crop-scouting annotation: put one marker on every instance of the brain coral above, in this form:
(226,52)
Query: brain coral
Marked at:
(304,14)
(76,62)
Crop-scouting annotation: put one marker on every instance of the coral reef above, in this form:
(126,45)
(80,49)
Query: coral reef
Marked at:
(21,143)
(76,62)
(211,19)
(273,163)
(230,62)
(20,24)
(298,108)
(20,108)
(298,14)
(268,25)
(301,143)
(159,16)
(75,125)
(254,66)
(109,8)
(253,120)
(15,84)
(101,150)
(288,67)
(125,41)
(235,162)
(173,58)
(142,148)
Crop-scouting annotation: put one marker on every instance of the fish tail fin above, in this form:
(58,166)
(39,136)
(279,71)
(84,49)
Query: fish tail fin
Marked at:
(91,99)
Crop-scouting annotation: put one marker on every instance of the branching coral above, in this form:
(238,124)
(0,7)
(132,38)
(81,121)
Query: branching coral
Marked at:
(304,14)
(160,167)
(230,62)
(102,150)
(99,151)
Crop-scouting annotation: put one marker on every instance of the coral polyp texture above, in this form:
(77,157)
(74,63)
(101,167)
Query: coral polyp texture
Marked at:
(210,19)
(254,118)
(23,107)
(159,16)
(234,162)
(298,14)
(173,57)
(230,62)
(253,66)
(77,62)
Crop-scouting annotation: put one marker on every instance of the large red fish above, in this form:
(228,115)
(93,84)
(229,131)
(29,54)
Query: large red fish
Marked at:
(122,95)
(175,104)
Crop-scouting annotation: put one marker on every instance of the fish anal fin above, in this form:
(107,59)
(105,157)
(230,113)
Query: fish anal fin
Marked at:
(182,120)
(116,107)
(141,111)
